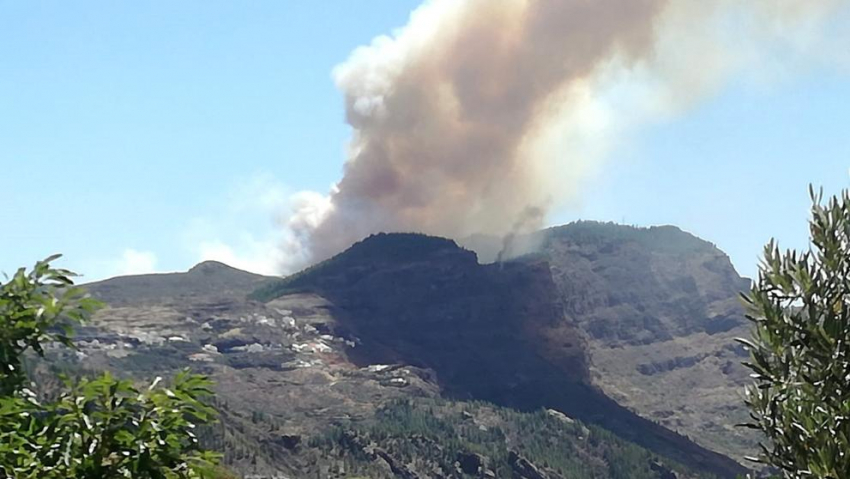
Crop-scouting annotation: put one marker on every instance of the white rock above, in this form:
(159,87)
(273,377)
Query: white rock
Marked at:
(376,368)
(201,357)
(314,347)
(560,416)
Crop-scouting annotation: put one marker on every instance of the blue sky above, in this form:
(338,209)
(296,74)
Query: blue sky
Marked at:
(133,132)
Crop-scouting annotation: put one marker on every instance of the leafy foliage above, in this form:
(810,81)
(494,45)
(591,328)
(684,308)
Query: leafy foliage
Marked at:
(36,308)
(105,427)
(800,349)
(97,428)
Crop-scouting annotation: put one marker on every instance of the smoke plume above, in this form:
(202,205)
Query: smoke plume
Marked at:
(480,112)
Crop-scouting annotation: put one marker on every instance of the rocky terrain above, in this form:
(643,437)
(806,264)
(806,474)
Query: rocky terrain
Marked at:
(409,327)
(659,310)
(276,363)
(494,332)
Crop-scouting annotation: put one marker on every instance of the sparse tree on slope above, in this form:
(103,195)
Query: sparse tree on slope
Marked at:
(100,428)
(800,349)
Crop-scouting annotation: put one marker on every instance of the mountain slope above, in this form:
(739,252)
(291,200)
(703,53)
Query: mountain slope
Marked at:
(210,279)
(316,385)
(659,311)
(491,332)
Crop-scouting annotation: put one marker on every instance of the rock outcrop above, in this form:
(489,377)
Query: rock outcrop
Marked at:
(494,332)
(658,309)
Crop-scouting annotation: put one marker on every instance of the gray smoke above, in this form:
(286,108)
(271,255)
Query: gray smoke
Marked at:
(481,111)
(513,243)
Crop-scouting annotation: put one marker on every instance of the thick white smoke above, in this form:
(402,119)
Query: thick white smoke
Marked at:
(479,111)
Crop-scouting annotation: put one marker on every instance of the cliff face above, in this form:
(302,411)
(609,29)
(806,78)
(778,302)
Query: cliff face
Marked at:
(629,286)
(498,332)
(659,309)
(483,328)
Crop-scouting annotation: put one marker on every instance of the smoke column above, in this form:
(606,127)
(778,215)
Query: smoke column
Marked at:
(479,111)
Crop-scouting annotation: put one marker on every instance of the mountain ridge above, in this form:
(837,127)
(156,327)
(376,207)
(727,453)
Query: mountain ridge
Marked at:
(364,289)
(205,279)
(411,316)
(659,308)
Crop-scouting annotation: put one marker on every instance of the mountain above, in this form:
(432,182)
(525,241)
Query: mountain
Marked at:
(210,279)
(494,332)
(405,357)
(659,309)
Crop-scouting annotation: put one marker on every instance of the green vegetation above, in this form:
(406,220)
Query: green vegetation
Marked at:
(431,434)
(96,428)
(800,349)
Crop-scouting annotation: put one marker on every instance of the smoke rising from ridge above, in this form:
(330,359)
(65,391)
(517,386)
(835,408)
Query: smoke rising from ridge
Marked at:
(480,111)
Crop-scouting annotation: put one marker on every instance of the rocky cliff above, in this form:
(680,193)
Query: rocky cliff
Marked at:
(659,310)
(500,332)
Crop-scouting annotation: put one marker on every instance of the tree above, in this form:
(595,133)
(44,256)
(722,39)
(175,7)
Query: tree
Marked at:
(800,348)
(97,428)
